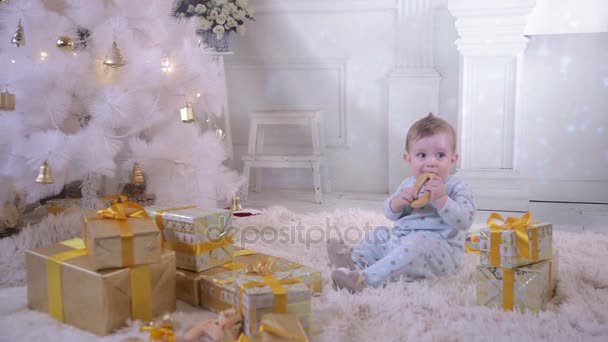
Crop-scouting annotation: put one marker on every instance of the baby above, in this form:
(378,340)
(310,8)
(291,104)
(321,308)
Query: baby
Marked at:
(425,242)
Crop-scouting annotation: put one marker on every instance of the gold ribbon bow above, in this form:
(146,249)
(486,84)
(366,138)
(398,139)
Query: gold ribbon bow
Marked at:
(520,226)
(263,266)
(277,288)
(158,333)
(118,211)
(235,265)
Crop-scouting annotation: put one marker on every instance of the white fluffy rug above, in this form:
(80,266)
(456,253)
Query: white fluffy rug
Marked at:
(430,310)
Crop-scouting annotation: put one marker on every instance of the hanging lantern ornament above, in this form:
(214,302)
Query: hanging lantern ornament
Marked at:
(7,101)
(19,37)
(137,176)
(187,114)
(66,43)
(44,174)
(114,58)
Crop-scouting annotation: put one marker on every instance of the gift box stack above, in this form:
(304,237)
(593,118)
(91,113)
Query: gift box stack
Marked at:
(116,272)
(518,265)
(133,262)
(200,241)
(216,275)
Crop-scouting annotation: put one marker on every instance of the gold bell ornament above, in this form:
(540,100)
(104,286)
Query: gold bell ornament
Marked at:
(114,58)
(66,43)
(19,37)
(186,113)
(7,101)
(44,174)
(236,204)
(137,176)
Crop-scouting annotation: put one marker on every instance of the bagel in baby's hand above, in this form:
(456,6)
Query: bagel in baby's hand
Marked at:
(420,181)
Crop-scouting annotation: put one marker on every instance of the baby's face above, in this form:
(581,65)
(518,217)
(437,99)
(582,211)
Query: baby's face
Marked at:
(432,154)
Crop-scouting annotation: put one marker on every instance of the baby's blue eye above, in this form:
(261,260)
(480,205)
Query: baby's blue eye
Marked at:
(440,155)
(421,155)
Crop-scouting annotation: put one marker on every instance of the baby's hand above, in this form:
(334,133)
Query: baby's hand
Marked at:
(438,194)
(403,199)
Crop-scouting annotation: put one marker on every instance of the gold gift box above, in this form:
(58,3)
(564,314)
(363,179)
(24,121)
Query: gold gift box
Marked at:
(198,236)
(527,288)
(201,288)
(255,301)
(102,301)
(282,328)
(510,256)
(107,248)
(188,286)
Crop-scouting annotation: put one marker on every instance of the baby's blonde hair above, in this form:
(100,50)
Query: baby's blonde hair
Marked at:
(428,126)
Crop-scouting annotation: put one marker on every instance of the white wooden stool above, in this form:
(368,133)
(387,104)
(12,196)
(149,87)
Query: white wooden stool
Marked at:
(257,159)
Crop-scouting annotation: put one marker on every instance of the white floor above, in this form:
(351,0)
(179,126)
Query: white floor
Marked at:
(569,217)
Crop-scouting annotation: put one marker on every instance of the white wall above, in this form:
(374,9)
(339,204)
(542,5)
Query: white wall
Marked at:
(336,55)
(568,16)
(319,54)
(447,64)
(563,143)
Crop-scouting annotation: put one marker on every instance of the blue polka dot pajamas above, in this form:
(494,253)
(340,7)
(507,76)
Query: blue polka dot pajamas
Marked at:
(424,243)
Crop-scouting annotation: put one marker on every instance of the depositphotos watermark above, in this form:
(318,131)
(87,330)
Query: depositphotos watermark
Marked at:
(297,233)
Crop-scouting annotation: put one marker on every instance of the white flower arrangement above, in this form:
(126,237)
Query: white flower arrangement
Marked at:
(219,16)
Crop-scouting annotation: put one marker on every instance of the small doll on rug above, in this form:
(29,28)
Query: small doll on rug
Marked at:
(225,327)
(428,237)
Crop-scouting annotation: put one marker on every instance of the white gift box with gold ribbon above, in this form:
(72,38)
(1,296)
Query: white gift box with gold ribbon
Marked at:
(262,291)
(199,237)
(217,284)
(517,242)
(526,288)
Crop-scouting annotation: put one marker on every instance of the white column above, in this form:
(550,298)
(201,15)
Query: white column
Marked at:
(491,42)
(414,84)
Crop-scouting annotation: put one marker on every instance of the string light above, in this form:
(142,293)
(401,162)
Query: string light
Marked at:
(198,94)
(166,65)
(43,55)
(13,61)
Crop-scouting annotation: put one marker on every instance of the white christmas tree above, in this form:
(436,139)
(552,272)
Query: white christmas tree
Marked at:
(91,118)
